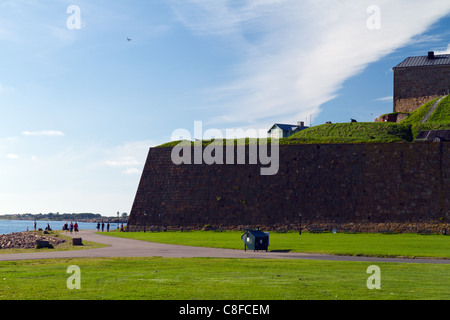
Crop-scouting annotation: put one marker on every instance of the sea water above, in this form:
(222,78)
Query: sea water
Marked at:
(10,226)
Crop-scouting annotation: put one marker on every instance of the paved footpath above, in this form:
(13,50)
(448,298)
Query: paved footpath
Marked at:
(120,247)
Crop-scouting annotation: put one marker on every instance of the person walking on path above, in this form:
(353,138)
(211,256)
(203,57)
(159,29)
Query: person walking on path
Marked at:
(75,227)
(98,226)
(107,227)
(103,226)
(71,226)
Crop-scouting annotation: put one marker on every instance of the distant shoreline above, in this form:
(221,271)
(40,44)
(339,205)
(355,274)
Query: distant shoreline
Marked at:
(101,219)
(82,217)
(10,226)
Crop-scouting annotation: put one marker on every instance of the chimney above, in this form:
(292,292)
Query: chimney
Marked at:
(300,123)
(430,54)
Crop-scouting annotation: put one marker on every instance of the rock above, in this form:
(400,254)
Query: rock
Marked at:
(43,244)
(77,242)
(26,240)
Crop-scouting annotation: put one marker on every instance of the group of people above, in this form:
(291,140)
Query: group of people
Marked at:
(73,227)
(47,228)
(70,227)
(102,226)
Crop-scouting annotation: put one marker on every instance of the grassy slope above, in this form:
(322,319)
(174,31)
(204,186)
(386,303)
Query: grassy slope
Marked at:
(440,119)
(417,115)
(442,113)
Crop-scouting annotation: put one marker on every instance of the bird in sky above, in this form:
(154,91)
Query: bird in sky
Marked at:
(129,39)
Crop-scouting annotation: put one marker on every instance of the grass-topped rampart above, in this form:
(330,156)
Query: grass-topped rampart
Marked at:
(357,132)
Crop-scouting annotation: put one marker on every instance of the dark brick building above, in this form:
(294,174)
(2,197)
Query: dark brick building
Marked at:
(418,80)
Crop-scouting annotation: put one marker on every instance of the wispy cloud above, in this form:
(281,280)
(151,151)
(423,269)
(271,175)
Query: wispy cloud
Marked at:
(12,156)
(446,51)
(43,133)
(127,161)
(5,89)
(296,55)
(132,171)
(384,99)
(130,156)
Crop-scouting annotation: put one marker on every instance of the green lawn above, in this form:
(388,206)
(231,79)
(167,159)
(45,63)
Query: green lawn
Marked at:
(159,278)
(367,244)
(219,279)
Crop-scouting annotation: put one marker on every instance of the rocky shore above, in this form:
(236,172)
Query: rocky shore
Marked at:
(26,240)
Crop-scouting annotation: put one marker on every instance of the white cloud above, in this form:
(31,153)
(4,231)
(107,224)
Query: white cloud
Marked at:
(130,156)
(132,171)
(12,156)
(126,161)
(446,51)
(4,34)
(43,133)
(384,99)
(296,55)
(5,89)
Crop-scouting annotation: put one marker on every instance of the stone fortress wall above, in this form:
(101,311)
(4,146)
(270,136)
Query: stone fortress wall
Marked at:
(401,187)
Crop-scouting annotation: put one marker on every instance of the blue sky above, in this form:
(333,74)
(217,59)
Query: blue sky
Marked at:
(80,107)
